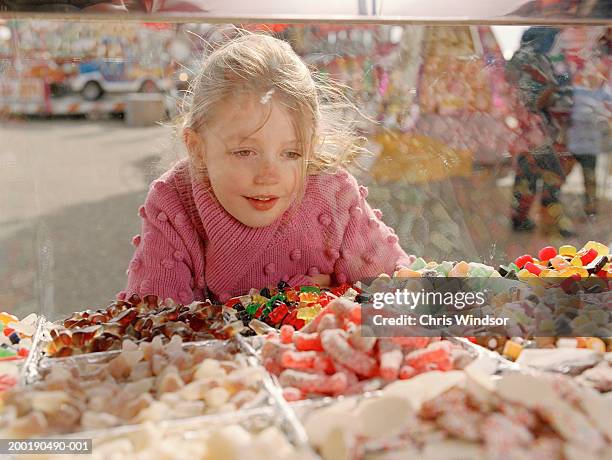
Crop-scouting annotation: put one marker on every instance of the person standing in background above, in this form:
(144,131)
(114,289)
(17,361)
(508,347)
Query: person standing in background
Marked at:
(588,135)
(531,72)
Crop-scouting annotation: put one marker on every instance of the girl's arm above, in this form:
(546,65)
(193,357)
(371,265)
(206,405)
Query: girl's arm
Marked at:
(368,246)
(164,262)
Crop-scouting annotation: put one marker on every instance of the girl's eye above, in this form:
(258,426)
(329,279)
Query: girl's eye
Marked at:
(243,153)
(291,155)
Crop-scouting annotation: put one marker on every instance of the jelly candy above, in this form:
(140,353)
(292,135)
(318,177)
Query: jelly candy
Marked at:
(308,313)
(298,359)
(411,343)
(567,250)
(512,350)
(327,322)
(390,357)
(522,260)
(428,359)
(418,264)
(407,372)
(286,334)
(602,249)
(558,263)
(314,383)
(587,256)
(306,342)
(547,253)
(576,261)
(461,269)
(337,346)
(6,318)
(533,268)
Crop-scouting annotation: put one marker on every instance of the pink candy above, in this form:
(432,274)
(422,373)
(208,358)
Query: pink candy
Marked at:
(307,342)
(315,383)
(390,356)
(329,356)
(286,333)
(336,345)
(429,359)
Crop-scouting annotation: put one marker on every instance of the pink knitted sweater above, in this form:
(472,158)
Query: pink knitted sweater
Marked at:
(191,248)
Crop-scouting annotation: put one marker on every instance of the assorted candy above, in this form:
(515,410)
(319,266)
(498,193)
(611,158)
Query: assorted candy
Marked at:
(146,382)
(227,441)
(461,415)
(314,345)
(15,344)
(589,359)
(592,260)
(139,320)
(16,336)
(420,268)
(284,305)
(329,356)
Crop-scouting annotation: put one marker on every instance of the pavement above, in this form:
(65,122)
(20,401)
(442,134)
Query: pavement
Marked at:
(70,190)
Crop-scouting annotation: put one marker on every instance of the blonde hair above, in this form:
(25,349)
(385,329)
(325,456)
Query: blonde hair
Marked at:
(261,64)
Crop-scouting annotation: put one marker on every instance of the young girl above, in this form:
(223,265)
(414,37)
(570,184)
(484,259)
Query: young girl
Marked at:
(263,196)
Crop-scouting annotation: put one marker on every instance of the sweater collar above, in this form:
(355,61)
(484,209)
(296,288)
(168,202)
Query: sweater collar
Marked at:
(231,243)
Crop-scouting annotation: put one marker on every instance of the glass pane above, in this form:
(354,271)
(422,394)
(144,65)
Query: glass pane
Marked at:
(451,114)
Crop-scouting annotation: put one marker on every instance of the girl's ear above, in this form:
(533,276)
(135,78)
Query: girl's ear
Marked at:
(195,146)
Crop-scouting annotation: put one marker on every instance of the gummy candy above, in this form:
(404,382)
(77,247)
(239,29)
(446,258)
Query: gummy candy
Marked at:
(522,260)
(547,253)
(533,268)
(567,250)
(286,334)
(602,249)
(305,342)
(588,256)
(337,346)
(390,357)
(317,383)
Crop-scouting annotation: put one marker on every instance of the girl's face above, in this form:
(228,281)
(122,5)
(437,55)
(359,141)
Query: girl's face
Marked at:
(253,159)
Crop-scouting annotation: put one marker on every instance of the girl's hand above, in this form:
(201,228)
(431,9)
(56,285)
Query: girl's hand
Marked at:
(321,279)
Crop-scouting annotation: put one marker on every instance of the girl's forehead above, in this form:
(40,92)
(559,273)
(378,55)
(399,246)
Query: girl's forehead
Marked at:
(245,115)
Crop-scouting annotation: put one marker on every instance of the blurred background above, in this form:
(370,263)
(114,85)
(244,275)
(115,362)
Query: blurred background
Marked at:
(85,125)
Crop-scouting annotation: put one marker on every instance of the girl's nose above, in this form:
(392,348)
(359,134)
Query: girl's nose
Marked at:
(267,172)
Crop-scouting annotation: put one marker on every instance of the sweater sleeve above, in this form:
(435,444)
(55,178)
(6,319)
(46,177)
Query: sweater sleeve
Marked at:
(368,247)
(165,263)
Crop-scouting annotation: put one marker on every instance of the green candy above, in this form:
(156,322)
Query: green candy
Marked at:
(310,289)
(418,264)
(252,308)
(444,268)
(4,353)
(478,272)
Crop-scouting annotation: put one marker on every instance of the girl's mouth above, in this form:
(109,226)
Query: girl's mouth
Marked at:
(262,202)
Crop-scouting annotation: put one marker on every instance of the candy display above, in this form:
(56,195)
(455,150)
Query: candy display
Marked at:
(146,382)
(329,356)
(283,305)
(16,336)
(593,259)
(420,268)
(260,432)
(140,320)
(15,344)
(459,415)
